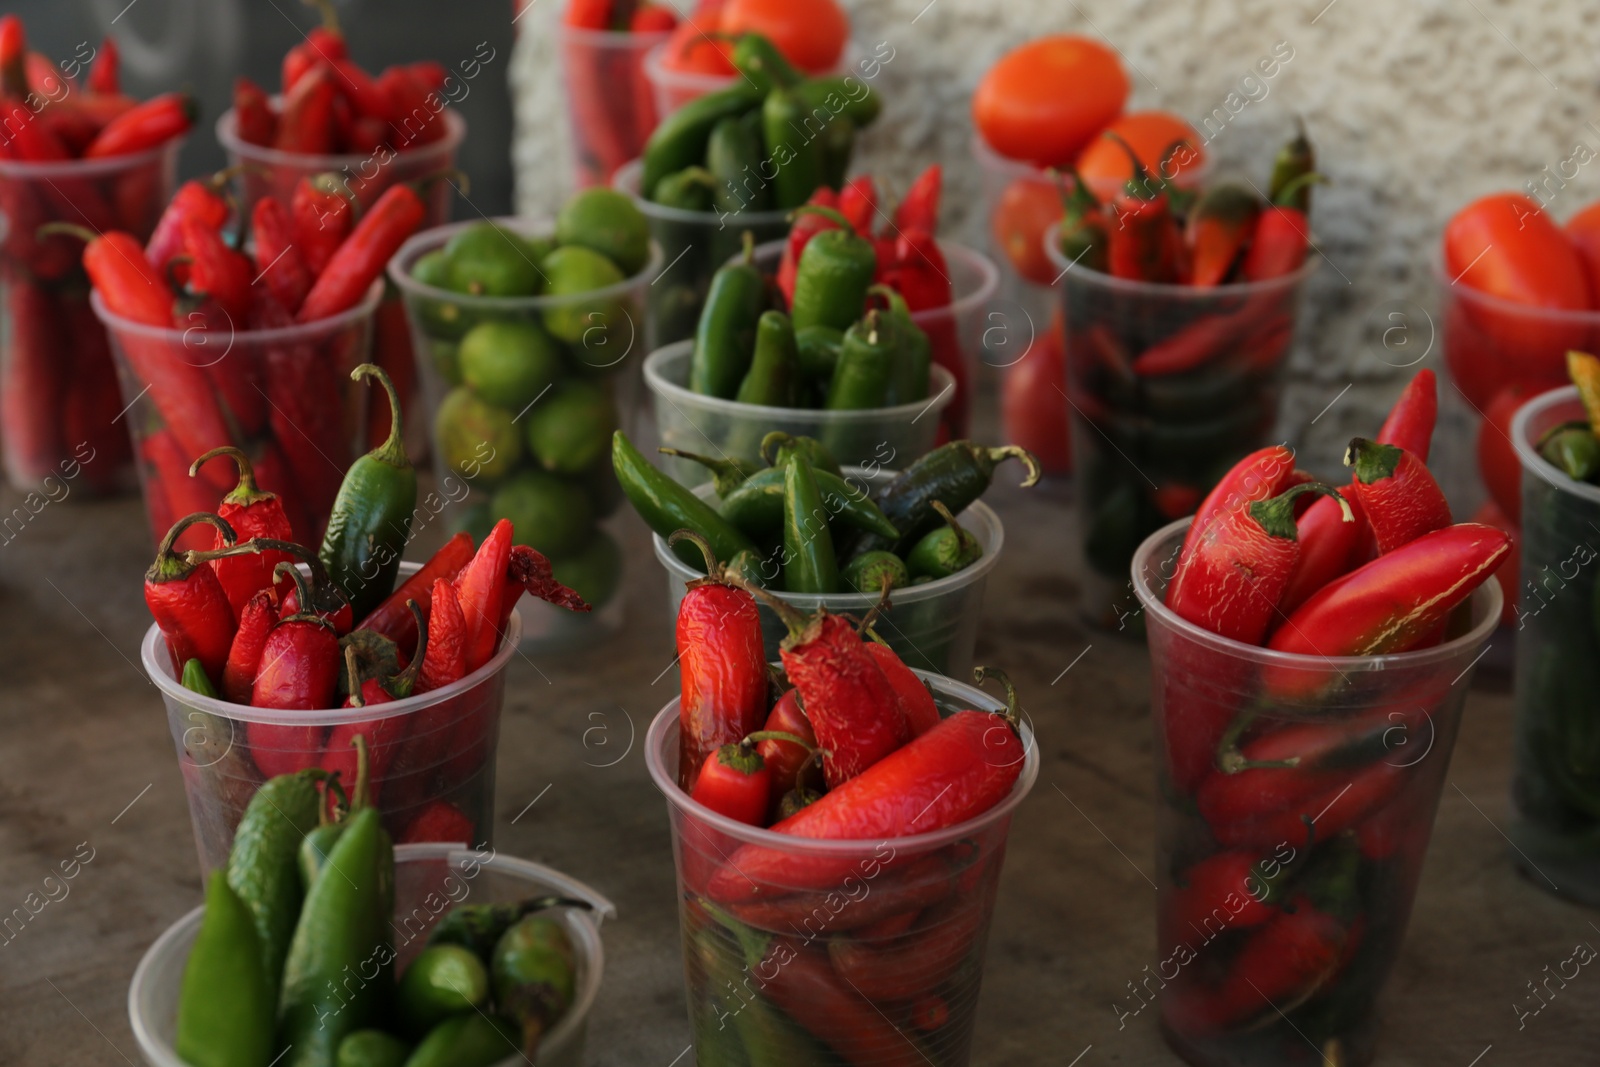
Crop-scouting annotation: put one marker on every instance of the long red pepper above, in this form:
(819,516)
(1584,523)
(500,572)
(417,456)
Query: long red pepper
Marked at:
(1217,231)
(253,118)
(1142,239)
(1330,545)
(216,271)
(256,620)
(906,887)
(1262,474)
(922,714)
(306,126)
(392,618)
(33,384)
(480,587)
(199,199)
(1282,236)
(363,255)
(322,45)
(1411,420)
(323,214)
(188,602)
(1229,884)
(13,56)
(76,199)
(157,120)
(1398,494)
(278,261)
(105,75)
(916,963)
(919,209)
(444,661)
(252,513)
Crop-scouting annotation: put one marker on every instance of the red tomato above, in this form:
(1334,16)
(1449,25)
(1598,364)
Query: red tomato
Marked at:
(1044,101)
(1026,210)
(1583,230)
(1507,246)
(1509,573)
(1033,404)
(653,18)
(588,14)
(811,33)
(1497,460)
(695,48)
(1104,164)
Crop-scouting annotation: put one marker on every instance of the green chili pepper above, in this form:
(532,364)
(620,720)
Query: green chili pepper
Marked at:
(725,339)
(734,158)
(226,1004)
(749,565)
(370,525)
(759,60)
(680,140)
(867,572)
(1082,230)
(777,447)
(470,1040)
(773,378)
(845,95)
(372,1048)
(726,474)
(535,977)
(818,349)
(809,565)
(838,144)
(866,365)
(666,506)
(479,927)
(957,473)
(945,551)
(1573,449)
(756,507)
(913,353)
(261,865)
(690,189)
(196,680)
(1295,160)
(319,841)
(443,980)
(833,275)
(793,143)
(337,973)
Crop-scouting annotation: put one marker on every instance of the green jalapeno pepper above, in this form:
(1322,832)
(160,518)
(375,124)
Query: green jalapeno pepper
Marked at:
(479,927)
(725,339)
(733,156)
(196,680)
(838,144)
(773,378)
(868,572)
(956,473)
(809,564)
(914,353)
(226,1003)
(665,506)
(470,1040)
(845,95)
(261,865)
(749,565)
(945,551)
(866,364)
(535,977)
(680,140)
(443,980)
(833,275)
(759,60)
(372,1048)
(690,189)
(1574,449)
(793,142)
(818,349)
(370,524)
(777,447)
(726,474)
(757,506)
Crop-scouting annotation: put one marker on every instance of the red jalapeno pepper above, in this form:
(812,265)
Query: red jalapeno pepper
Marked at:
(906,888)
(1330,545)
(734,781)
(1227,890)
(1262,474)
(1217,232)
(1410,422)
(858,202)
(785,758)
(252,513)
(384,735)
(300,662)
(361,257)
(1398,494)
(217,271)
(256,619)
(154,122)
(306,126)
(393,618)
(189,604)
(921,960)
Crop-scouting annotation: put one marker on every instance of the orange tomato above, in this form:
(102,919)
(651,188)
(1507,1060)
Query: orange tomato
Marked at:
(695,47)
(1104,165)
(1043,102)
(810,33)
(1583,230)
(1026,210)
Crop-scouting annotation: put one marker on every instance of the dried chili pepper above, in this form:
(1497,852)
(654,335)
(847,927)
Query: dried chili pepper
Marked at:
(480,589)
(361,257)
(392,618)
(252,513)
(189,604)
(1398,494)
(444,661)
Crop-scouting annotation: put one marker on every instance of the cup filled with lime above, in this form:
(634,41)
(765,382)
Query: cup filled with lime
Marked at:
(531,333)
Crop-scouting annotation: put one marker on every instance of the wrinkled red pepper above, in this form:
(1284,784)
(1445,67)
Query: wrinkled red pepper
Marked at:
(252,513)
(188,602)
(1399,495)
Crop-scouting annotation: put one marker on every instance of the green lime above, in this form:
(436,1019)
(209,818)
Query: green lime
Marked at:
(591,326)
(548,513)
(441,318)
(539,246)
(609,222)
(486,260)
(570,430)
(476,519)
(477,440)
(510,362)
(594,571)
(446,360)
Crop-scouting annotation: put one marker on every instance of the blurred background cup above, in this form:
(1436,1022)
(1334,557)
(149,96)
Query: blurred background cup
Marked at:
(673,87)
(283,396)
(59,401)
(1296,798)
(611,106)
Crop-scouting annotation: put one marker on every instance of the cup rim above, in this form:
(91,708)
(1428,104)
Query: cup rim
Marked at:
(1583,316)
(158,667)
(24,170)
(627,179)
(300,331)
(1521,440)
(232,143)
(1486,601)
(674,393)
(968,696)
(661,76)
(1174,290)
(988,272)
(435,237)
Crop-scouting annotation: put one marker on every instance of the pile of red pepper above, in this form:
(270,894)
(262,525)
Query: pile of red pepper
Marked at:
(60,395)
(613,107)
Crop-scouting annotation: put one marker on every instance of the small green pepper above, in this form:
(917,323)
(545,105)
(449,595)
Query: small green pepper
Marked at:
(945,551)
(777,447)
(845,95)
(773,378)
(734,159)
(867,572)
(760,61)
(913,352)
(261,865)
(809,564)
(818,348)
(443,980)
(794,145)
(833,275)
(372,1048)
(665,506)
(535,977)
(748,565)
(725,340)
(479,927)
(690,189)
(726,474)
(225,1005)
(756,507)
(1574,449)
(196,680)
(866,364)
(957,473)
(681,138)
(470,1040)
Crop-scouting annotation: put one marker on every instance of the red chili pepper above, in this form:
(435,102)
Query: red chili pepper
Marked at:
(480,587)
(785,758)
(217,271)
(1330,545)
(393,619)
(918,271)
(1143,240)
(302,394)
(13,56)
(146,125)
(907,888)
(444,661)
(199,199)
(306,125)
(361,258)
(439,821)
(104,76)
(734,781)
(1282,237)
(1199,342)
(45,78)
(256,620)
(324,214)
(322,45)
(167,468)
(922,714)
(278,261)
(1227,890)
(328,601)
(300,662)
(805,226)
(384,736)
(252,513)
(415,120)
(1230,578)
(919,209)
(528,571)
(1411,420)
(922,960)
(361,89)
(76,199)
(94,402)
(858,202)
(1398,494)
(653,18)
(1217,231)
(1262,474)
(188,602)
(77,120)
(34,385)
(253,117)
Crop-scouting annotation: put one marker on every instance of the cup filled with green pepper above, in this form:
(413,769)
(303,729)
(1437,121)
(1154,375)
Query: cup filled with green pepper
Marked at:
(533,335)
(1557,789)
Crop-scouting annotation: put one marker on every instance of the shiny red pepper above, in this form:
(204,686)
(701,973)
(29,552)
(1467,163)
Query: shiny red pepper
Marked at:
(199,199)
(256,620)
(252,513)
(1143,235)
(1262,474)
(300,662)
(785,758)
(383,735)
(253,118)
(1411,420)
(1398,494)
(1217,231)
(278,261)
(921,713)
(13,56)
(1226,890)
(322,45)
(480,589)
(361,258)
(858,202)
(393,618)
(1330,545)
(919,209)
(439,821)
(104,76)
(188,602)
(328,601)
(908,887)
(306,126)
(1282,236)
(734,781)
(216,271)
(143,127)
(323,217)
(32,141)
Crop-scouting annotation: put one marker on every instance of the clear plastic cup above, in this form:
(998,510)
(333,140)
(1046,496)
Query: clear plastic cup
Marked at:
(932,626)
(836,939)
(59,401)
(438,746)
(693,245)
(284,396)
(727,429)
(1285,889)
(611,107)
(954,331)
(485,465)
(1557,791)
(430,881)
(1148,442)
(674,88)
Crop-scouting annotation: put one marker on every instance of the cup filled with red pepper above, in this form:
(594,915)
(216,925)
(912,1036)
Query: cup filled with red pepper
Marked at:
(839,835)
(1557,788)
(76,151)
(1180,312)
(611,107)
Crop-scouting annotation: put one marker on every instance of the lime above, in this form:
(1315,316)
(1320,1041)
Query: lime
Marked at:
(538,246)
(446,360)
(594,571)
(608,222)
(475,519)
(549,513)
(599,329)
(510,362)
(441,318)
(486,260)
(570,430)
(477,440)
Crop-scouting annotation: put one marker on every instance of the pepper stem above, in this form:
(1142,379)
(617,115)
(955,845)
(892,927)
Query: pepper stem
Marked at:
(168,565)
(965,542)
(1139,184)
(331,782)
(328,13)
(877,609)
(1293,186)
(362,796)
(779,735)
(67,229)
(302,595)
(352,672)
(246,492)
(892,297)
(1230,760)
(793,621)
(997,456)
(393,449)
(713,568)
(1276,516)
(832,214)
(1013,709)
(404,684)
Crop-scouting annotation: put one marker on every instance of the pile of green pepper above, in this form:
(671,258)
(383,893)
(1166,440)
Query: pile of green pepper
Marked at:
(294,964)
(764,144)
(799,525)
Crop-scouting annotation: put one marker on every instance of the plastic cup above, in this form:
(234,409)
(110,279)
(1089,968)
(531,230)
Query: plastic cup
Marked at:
(693,245)
(727,429)
(430,882)
(485,465)
(438,746)
(954,331)
(1148,442)
(674,88)
(58,389)
(284,396)
(611,107)
(1557,792)
(932,626)
(1285,890)
(844,918)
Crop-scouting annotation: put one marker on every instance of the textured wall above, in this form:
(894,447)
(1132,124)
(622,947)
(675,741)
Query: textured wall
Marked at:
(1415,105)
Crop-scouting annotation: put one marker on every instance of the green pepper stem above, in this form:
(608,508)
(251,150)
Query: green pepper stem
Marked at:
(1139,185)
(779,735)
(771,443)
(1276,516)
(246,492)
(677,537)
(1293,186)
(1230,760)
(1013,710)
(67,229)
(965,542)
(892,297)
(362,797)
(393,449)
(328,13)
(404,684)
(832,214)
(1017,452)
(885,585)
(352,672)
(168,565)
(330,781)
